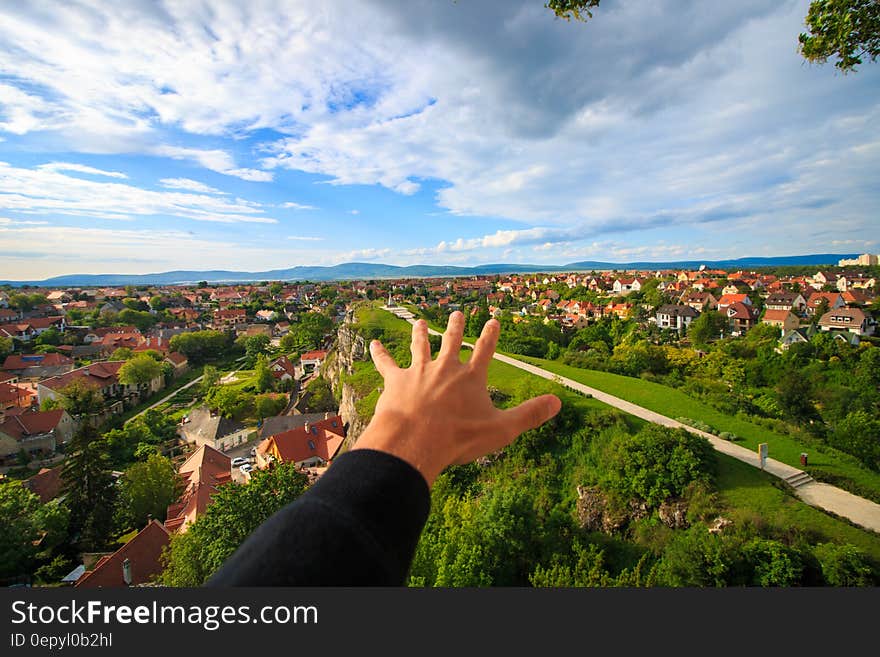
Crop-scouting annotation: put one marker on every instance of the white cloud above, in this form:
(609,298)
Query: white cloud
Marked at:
(215,160)
(297,206)
(365,254)
(354,212)
(80,168)
(304,238)
(189,185)
(42,191)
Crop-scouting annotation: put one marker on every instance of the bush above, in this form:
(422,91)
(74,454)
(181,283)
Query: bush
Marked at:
(844,565)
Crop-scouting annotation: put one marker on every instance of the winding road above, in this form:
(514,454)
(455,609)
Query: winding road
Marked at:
(858,510)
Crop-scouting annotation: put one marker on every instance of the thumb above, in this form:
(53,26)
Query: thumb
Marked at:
(530,414)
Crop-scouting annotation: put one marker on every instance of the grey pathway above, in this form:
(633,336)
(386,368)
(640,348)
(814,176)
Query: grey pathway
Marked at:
(860,511)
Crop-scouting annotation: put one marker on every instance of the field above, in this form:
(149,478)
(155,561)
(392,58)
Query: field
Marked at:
(744,492)
(827,465)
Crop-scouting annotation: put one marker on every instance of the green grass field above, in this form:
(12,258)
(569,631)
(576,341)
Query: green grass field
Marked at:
(839,468)
(744,492)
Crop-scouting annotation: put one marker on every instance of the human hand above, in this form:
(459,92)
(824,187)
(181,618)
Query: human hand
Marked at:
(437,413)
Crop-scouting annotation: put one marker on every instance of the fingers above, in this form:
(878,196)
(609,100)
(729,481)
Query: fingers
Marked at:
(485,346)
(530,414)
(381,358)
(420,347)
(451,344)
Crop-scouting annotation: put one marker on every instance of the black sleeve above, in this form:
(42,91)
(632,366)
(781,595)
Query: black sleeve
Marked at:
(358,525)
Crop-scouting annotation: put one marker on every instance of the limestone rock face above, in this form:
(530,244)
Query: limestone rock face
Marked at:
(673,514)
(349,348)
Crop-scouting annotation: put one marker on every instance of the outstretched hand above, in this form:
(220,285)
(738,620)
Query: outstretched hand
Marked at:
(437,413)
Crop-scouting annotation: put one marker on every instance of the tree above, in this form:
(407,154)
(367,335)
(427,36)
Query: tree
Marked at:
(51,336)
(578,9)
(89,488)
(6,347)
(844,565)
(254,346)
(27,528)
(141,369)
(142,319)
(210,378)
(81,399)
(122,353)
(847,30)
(308,333)
(793,394)
(319,397)
(230,402)
(157,303)
(146,490)
(269,405)
(263,379)
(708,326)
(655,464)
(198,346)
(235,512)
(859,434)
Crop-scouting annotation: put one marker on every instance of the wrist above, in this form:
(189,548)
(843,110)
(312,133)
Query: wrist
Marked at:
(401,436)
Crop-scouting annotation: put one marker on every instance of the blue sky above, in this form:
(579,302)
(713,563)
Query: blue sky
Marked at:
(147,136)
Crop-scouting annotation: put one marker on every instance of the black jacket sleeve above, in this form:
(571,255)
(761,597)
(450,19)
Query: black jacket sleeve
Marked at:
(358,525)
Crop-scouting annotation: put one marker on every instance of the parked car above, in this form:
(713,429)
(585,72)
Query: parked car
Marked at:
(238,460)
(246,468)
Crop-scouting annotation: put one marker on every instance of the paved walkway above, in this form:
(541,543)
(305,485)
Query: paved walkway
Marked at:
(188,385)
(862,512)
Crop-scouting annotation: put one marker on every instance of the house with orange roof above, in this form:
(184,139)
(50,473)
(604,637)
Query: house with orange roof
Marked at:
(313,444)
(201,476)
(784,320)
(135,563)
(834,299)
(741,316)
(728,300)
(35,432)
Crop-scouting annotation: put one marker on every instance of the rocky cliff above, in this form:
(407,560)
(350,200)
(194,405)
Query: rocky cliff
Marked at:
(350,348)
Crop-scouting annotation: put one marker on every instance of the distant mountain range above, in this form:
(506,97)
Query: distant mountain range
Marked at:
(365,270)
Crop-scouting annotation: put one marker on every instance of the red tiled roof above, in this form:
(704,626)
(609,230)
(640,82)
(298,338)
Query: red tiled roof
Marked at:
(13,394)
(771,315)
(730,299)
(142,552)
(97,374)
(317,354)
(322,440)
(31,424)
(23,361)
(177,358)
(46,484)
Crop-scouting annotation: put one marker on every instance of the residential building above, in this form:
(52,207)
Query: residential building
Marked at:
(178,361)
(833,299)
(283,369)
(700,301)
(728,300)
(853,320)
(46,484)
(864,260)
(782,319)
(673,316)
(785,300)
(35,433)
(202,474)
(135,563)
(205,427)
(741,317)
(15,397)
(37,366)
(311,360)
(623,286)
(105,377)
(312,444)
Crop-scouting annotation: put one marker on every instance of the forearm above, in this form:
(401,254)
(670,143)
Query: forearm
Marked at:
(358,525)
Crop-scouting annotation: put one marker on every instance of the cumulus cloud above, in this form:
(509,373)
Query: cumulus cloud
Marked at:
(45,191)
(215,160)
(680,114)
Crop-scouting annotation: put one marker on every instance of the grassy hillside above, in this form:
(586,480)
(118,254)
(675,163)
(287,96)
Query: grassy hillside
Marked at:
(825,464)
(742,493)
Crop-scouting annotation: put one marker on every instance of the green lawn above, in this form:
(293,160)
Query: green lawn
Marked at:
(827,464)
